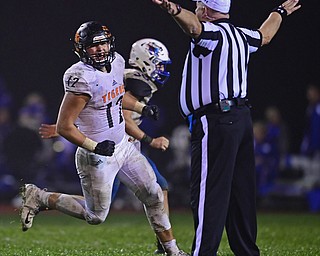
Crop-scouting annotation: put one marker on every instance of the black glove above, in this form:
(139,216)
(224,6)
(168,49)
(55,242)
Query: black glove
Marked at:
(151,111)
(105,148)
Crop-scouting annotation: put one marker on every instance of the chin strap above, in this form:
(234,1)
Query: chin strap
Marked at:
(108,67)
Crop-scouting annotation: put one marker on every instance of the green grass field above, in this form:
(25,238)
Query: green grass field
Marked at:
(56,234)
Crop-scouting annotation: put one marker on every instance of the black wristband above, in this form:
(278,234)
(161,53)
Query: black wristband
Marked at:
(280,9)
(178,6)
(146,139)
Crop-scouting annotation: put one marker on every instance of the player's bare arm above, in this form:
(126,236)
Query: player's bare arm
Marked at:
(48,131)
(272,24)
(133,130)
(129,102)
(131,127)
(70,109)
(187,20)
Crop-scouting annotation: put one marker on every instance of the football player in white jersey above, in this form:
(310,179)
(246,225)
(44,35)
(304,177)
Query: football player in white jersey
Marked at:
(91,117)
(148,60)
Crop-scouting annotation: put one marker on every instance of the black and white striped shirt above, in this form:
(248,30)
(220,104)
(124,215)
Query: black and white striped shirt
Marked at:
(216,65)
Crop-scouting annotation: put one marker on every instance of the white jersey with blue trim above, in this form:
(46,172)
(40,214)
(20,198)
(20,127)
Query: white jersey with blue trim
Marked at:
(102,118)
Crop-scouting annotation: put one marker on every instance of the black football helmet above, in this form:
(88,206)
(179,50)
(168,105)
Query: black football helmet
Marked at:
(89,34)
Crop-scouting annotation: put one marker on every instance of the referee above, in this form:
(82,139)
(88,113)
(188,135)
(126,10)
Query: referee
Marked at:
(213,98)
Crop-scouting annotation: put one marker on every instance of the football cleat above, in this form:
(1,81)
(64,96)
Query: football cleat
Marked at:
(179,253)
(160,249)
(30,205)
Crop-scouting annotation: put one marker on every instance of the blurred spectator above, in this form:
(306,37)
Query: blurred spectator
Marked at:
(309,159)
(25,152)
(277,131)
(266,158)
(7,181)
(311,141)
(63,167)
(178,166)
(180,147)
(5,118)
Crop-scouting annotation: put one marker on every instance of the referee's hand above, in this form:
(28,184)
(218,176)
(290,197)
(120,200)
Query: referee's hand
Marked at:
(290,6)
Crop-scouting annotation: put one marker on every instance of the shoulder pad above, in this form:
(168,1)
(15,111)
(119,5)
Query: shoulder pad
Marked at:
(137,87)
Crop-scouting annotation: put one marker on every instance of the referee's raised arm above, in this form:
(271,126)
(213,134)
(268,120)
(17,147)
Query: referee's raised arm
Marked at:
(191,25)
(272,24)
(186,19)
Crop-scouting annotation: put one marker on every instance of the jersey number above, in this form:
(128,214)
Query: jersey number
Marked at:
(109,115)
(72,81)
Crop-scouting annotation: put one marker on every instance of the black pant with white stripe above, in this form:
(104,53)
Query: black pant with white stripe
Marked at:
(223,182)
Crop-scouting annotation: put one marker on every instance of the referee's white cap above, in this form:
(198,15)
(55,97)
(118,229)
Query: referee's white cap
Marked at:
(218,5)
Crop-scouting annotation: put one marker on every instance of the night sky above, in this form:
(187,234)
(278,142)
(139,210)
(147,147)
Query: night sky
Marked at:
(36,50)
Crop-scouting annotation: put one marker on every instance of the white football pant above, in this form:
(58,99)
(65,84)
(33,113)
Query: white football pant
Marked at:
(98,172)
